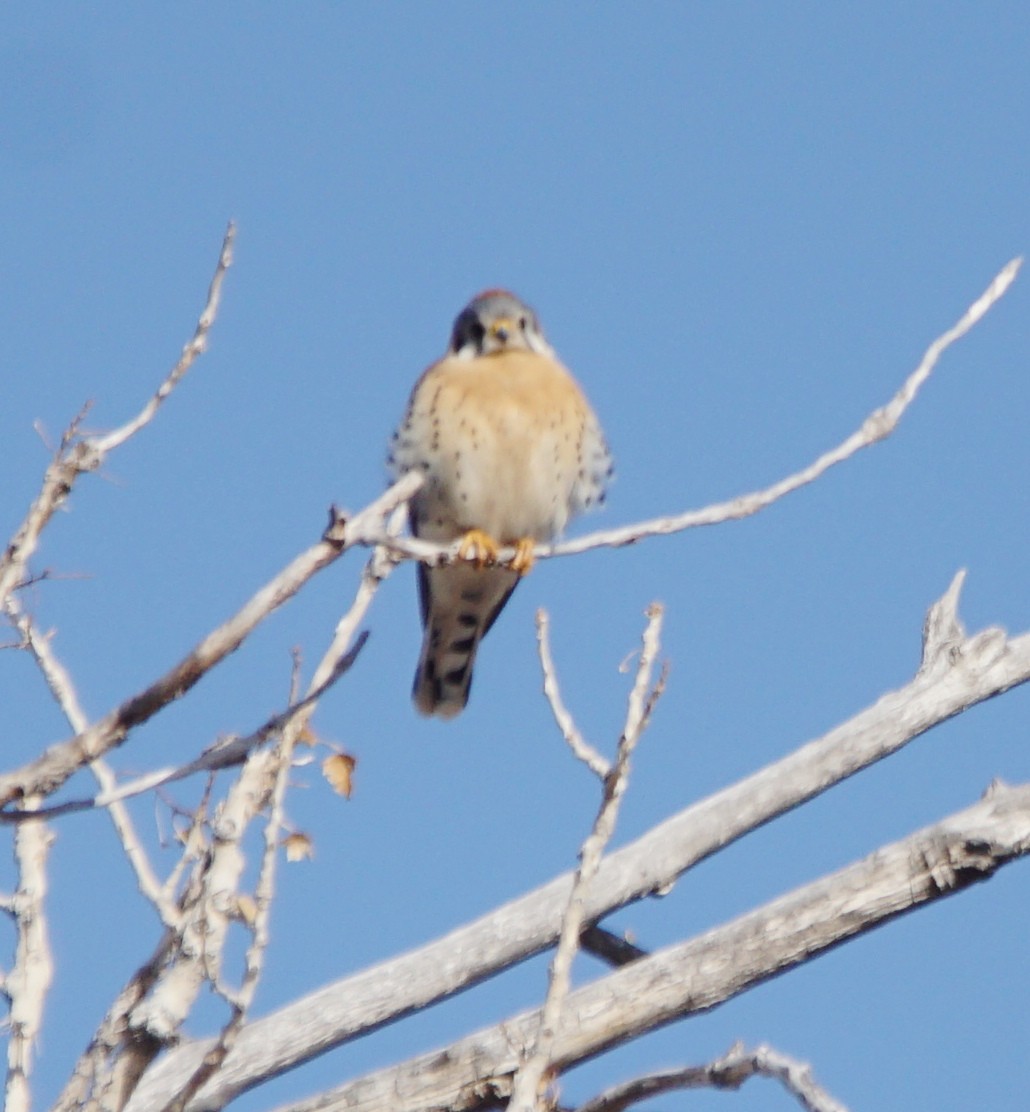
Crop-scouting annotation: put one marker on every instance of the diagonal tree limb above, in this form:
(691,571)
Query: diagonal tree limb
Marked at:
(61,687)
(971,671)
(475,1073)
(49,771)
(227,752)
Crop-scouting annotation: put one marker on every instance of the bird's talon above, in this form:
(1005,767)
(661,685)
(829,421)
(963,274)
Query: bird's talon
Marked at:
(523,560)
(478,548)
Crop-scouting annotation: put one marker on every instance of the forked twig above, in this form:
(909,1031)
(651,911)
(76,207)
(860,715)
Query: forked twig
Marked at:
(532,1074)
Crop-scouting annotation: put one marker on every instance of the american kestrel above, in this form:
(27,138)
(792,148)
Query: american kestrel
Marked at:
(511,450)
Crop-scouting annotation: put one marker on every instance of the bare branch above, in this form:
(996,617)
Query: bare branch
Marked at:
(581,748)
(193,839)
(49,771)
(28,982)
(77,456)
(264,892)
(95,1084)
(63,690)
(529,1080)
(233,750)
(195,347)
(208,906)
(984,665)
(226,752)
(473,1074)
(153,1016)
(877,426)
(728,1072)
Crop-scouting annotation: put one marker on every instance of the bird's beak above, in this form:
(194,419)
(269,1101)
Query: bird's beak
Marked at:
(502,330)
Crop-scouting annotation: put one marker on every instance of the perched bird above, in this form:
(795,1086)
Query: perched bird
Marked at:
(511,450)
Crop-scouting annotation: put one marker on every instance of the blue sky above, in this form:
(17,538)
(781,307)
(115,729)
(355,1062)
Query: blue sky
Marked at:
(741,225)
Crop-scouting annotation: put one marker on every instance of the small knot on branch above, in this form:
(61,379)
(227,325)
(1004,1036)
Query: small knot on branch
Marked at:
(336,531)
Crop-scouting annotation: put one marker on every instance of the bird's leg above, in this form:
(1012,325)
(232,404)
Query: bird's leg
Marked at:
(479,548)
(523,560)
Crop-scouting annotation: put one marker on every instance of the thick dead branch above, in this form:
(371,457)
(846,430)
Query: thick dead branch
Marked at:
(28,982)
(691,977)
(981,666)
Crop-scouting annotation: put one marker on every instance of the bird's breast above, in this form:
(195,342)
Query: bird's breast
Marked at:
(502,439)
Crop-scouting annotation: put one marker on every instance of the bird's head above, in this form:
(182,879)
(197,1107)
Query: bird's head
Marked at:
(496,321)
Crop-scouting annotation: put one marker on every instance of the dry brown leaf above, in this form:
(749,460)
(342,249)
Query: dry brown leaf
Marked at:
(338,769)
(246,906)
(306,735)
(298,846)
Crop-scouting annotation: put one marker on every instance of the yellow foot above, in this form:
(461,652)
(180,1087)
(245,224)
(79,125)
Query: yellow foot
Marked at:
(478,547)
(523,560)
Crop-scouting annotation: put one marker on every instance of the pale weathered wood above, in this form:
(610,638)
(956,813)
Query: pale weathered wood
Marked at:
(27,984)
(694,976)
(61,761)
(957,672)
(730,1071)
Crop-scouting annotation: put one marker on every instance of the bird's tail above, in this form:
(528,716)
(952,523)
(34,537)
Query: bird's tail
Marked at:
(459,605)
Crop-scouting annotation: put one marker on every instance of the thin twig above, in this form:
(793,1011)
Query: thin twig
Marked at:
(243,999)
(194,840)
(63,690)
(877,426)
(226,752)
(728,1072)
(985,665)
(531,1075)
(49,771)
(196,346)
(76,456)
(581,748)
